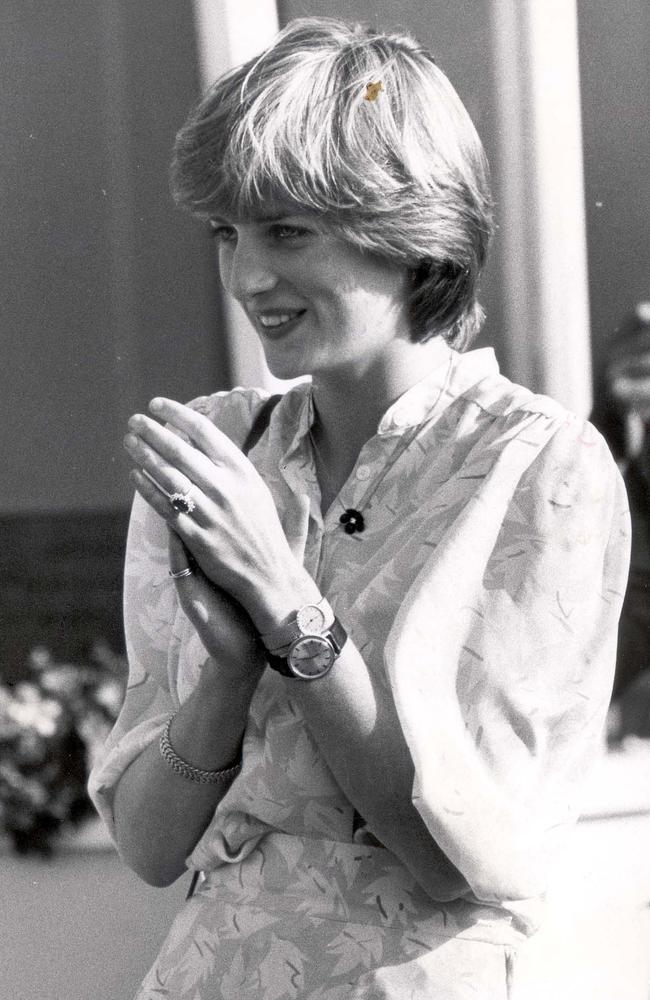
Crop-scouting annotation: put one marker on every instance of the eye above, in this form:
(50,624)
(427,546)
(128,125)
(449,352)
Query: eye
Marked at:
(284,231)
(223,234)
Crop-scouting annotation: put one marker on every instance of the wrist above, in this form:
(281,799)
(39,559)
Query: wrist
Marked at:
(281,598)
(235,679)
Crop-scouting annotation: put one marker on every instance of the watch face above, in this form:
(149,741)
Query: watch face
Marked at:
(311,657)
(310,620)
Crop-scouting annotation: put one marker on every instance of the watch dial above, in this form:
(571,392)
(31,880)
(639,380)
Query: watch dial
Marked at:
(310,619)
(311,657)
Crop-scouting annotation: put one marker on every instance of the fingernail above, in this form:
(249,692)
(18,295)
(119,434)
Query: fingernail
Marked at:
(130,441)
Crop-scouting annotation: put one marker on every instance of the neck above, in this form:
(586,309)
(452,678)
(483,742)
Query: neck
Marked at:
(349,408)
(350,405)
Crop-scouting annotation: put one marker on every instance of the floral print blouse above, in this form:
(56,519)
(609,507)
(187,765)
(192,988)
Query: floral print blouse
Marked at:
(485,592)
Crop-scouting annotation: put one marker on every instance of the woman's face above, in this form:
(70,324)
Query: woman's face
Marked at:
(318,304)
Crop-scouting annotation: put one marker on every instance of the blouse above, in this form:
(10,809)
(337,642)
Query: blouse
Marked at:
(484,592)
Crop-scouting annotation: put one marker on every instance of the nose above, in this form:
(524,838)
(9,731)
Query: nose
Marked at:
(249,270)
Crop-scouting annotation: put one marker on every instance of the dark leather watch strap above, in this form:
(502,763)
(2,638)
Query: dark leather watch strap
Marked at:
(280,664)
(338,635)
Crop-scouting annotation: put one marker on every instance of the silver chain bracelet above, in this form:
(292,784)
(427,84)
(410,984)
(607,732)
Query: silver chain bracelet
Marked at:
(181,766)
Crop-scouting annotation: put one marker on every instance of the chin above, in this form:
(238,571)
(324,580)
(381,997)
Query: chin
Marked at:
(284,366)
(287,371)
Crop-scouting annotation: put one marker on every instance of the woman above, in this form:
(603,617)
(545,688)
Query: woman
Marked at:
(441,553)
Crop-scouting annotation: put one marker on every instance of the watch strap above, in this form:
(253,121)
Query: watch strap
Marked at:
(279,664)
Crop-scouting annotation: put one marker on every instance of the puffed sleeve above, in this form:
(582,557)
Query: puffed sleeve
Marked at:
(150,611)
(154,623)
(501,658)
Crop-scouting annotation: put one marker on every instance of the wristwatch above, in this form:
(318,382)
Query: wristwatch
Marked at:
(311,619)
(310,657)
(309,645)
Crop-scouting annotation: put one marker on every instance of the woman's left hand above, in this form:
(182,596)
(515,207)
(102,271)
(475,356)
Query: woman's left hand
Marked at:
(233,532)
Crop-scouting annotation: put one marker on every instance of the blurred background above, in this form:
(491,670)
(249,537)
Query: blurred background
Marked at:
(109,296)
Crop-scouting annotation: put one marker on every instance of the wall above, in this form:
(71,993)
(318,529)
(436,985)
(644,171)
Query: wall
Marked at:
(107,294)
(615,70)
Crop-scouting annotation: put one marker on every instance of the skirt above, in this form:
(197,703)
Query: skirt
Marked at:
(311,919)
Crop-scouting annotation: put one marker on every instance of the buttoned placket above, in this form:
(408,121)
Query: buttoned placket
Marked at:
(298,469)
(299,475)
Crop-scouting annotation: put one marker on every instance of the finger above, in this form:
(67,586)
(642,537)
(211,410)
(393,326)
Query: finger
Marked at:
(198,596)
(150,493)
(163,454)
(183,500)
(167,478)
(191,588)
(180,557)
(199,429)
(185,525)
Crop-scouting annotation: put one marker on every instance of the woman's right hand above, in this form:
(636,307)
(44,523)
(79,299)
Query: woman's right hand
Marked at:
(223,626)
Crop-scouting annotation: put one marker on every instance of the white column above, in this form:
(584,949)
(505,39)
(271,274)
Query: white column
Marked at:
(229,33)
(540,195)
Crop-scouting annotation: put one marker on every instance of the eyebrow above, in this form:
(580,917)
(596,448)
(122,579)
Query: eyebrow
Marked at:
(261,219)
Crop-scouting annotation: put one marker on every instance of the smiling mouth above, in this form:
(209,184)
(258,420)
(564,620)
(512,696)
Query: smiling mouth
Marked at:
(275,324)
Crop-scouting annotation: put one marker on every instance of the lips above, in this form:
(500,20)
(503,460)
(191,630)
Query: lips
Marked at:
(274,323)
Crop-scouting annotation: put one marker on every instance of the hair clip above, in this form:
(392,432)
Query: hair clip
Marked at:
(372,91)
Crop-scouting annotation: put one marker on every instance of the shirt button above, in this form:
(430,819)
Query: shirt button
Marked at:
(363,473)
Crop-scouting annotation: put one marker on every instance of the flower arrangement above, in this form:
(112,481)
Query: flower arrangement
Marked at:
(51,725)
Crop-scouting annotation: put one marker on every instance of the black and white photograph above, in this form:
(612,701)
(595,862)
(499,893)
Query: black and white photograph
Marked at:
(325,500)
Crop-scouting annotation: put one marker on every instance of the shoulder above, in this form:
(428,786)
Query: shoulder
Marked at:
(570,488)
(556,462)
(234,411)
(562,441)
(495,415)
(498,397)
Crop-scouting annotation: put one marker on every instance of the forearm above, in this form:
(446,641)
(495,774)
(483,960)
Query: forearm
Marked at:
(353,719)
(471,823)
(354,722)
(159,814)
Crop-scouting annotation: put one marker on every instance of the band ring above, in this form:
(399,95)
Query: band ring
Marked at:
(181,573)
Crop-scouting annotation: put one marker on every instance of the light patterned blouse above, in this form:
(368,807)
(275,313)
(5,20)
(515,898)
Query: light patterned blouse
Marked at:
(485,592)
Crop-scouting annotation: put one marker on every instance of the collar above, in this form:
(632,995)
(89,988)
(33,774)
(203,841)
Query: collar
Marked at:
(452,377)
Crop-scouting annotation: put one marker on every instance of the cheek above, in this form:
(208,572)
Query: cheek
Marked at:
(224,269)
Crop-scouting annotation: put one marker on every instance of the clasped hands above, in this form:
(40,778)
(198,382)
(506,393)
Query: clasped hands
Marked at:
(233,533)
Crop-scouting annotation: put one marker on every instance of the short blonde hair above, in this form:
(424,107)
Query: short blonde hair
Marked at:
(403,176)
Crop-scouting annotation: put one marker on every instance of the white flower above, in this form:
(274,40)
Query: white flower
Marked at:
(30,710)
(110,695)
